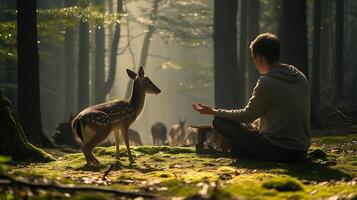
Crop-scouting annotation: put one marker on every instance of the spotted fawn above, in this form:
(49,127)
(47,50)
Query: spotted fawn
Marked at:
(95,123)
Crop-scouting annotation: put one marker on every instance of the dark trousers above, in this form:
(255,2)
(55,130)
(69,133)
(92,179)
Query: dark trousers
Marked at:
(246,142)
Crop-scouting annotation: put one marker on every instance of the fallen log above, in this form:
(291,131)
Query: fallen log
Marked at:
(6,180)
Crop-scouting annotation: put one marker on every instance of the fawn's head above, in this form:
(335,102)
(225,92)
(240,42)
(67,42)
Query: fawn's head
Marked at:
(182,122)
(143,81)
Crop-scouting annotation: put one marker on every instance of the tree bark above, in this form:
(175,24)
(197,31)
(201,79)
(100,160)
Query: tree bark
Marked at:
(13,141)
(83,64)
(228,93)
(70,65)
(293,34)
(105,88)
(243,49)
(10,64)
(252,32)
(327,51)
(28,73)
(339,49)
(316,53)
(99,54)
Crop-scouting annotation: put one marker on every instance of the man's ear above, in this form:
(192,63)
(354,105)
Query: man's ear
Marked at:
(141,72)
(131,74)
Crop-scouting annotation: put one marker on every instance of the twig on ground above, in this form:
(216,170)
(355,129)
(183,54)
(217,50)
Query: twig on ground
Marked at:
(107,172)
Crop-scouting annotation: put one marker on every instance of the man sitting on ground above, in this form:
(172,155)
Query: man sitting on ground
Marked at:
(281,103)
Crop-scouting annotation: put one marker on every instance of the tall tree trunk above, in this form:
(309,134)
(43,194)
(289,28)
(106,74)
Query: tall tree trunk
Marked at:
(146,44)
(316,53)
(293,34)
(13,141)
(327,57)
(10,64)
(105,88)
(243,49)
(83,63)
(339,49)
(28,73)
(69,62)
(253,31)
(99,54)
(228,93)
(11,79)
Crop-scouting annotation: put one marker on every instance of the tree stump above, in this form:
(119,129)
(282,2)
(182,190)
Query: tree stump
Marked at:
(13,141)
(202,137)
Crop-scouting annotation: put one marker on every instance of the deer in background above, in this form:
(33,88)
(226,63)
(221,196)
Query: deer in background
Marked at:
(134,138)
(159,133)
(177,133)
(190,137)
(95,123)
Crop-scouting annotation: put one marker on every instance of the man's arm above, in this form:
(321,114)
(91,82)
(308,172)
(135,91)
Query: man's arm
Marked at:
(256,107)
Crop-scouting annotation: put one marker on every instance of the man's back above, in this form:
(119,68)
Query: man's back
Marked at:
(286,122)
(281,99)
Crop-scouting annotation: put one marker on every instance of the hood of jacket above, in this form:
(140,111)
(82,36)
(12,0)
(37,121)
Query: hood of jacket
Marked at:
(284,72)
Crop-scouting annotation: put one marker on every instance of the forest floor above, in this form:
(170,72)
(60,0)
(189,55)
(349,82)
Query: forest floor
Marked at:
(178,173)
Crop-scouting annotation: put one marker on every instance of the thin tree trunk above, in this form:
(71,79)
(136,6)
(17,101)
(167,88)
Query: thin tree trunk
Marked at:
(146,44)
(105,89)
(83,64)
(293,34)
(339,49)
(99,54)
(253,31)
(228,93)
(28,73)
(316,53)
(326,60)
(243,49)
(69,61)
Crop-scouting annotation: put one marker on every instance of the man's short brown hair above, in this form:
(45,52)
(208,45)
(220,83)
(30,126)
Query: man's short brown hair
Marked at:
(267,45)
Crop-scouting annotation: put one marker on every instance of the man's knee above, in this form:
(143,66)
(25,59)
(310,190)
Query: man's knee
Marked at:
(217,122)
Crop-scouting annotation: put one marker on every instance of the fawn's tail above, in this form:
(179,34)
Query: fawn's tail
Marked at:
(77,128)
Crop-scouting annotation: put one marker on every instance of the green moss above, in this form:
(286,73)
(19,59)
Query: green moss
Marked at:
(180,172)
(165,149)
(334,139)
(91,196)
(178,188)
(283,184)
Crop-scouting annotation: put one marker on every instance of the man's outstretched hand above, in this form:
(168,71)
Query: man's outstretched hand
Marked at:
(204,109)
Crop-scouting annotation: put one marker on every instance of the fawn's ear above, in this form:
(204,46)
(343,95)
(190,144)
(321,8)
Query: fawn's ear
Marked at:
(141,72)
(131,74)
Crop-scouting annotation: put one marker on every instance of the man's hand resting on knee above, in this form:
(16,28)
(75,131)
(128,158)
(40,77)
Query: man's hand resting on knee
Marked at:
(204,109)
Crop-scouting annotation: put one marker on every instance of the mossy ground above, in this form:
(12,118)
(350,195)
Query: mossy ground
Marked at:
(180,172)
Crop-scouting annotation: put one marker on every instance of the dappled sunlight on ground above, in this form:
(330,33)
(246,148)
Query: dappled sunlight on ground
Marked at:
(181,172)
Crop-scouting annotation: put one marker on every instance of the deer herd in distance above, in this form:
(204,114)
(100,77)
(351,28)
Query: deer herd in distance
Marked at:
(178,135)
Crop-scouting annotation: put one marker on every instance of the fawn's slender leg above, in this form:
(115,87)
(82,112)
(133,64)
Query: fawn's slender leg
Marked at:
(117,143)
(101,134)
(124,132)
